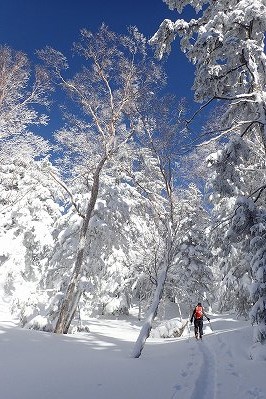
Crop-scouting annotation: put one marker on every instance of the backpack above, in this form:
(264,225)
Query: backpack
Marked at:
(198,312)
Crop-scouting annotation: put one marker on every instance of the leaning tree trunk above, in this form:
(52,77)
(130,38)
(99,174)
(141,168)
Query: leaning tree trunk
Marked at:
(146,328)
(69,303)
(75,303)
(152,312)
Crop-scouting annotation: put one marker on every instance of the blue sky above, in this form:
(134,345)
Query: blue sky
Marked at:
(28,25)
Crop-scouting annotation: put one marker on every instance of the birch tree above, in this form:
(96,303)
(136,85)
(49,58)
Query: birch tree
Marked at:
(107,90)
(162,126)
(20,92)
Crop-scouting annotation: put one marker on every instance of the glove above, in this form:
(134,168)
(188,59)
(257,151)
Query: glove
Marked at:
(191,321)
(208,319)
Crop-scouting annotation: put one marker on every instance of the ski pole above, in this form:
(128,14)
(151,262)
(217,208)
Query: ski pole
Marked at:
(188,326)
(210,325)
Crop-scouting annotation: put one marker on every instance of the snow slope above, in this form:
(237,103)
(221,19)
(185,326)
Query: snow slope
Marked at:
(97,365)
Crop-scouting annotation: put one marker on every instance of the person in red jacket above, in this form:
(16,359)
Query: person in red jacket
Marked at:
(197,315)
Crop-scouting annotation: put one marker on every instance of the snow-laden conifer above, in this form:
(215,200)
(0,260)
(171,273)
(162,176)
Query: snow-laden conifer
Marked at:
(29,207)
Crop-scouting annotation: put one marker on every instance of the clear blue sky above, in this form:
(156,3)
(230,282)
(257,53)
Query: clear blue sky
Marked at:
(28,25)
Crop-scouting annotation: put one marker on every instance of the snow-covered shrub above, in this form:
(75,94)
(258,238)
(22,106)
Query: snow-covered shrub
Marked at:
(116,306)
(40,323)
(169,329)
(78,328)
(258,352)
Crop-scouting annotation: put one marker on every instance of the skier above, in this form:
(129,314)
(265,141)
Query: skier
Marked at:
(198,314)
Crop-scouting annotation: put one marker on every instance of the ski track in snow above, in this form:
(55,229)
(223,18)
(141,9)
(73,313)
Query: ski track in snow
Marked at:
(208,365)
(205,384)
(199,372)
(216,364)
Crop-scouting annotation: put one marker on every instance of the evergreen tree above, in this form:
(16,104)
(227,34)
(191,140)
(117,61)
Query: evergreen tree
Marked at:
(191,273)
(29,207)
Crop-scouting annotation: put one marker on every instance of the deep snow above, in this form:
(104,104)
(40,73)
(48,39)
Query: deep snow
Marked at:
(98,365)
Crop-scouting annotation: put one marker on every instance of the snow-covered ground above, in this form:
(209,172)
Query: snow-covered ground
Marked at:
(97,365)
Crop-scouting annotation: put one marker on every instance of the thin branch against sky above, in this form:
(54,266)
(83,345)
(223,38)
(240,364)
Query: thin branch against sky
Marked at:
(29,26)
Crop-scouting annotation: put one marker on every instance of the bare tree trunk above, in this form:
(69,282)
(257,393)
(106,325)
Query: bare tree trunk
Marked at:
(68,306)
(73,311)
(146,328)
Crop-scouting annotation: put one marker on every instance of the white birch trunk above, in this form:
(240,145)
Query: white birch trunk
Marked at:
(152,312)
(146,328)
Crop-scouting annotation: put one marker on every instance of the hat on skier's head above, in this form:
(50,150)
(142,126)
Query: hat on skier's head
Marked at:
(199,303)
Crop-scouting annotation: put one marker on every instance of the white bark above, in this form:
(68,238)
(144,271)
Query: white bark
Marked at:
(152,312)
(146,328)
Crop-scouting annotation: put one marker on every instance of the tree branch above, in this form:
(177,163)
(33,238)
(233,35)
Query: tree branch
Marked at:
(62,184)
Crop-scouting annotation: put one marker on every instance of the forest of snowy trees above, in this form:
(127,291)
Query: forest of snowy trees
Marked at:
(132,201)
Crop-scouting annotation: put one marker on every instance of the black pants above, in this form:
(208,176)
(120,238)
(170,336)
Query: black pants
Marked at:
(198,326)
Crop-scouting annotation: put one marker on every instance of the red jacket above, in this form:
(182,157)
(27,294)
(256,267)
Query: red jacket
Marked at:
(198,318)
